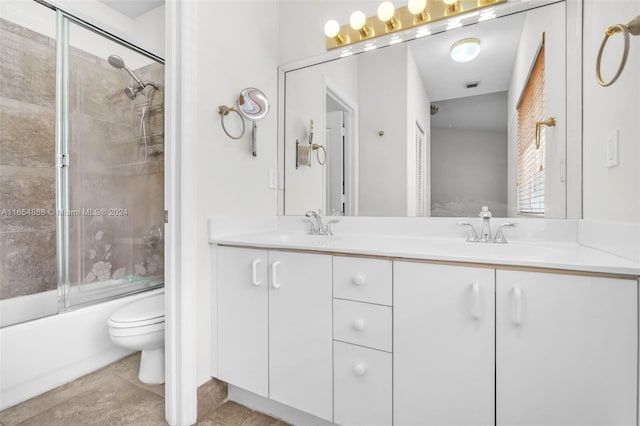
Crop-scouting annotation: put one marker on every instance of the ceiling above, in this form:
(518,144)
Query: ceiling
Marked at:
(485,113)
(444,78)
(133,8)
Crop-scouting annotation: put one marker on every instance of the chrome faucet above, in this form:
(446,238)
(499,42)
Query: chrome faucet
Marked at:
(485,231)
(317,226)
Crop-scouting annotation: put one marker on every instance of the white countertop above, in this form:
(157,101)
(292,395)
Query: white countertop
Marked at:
(548,255)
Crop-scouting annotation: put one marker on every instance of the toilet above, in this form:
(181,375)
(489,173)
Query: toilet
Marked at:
(140,326)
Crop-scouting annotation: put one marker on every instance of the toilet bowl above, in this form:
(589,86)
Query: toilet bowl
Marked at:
(140,326)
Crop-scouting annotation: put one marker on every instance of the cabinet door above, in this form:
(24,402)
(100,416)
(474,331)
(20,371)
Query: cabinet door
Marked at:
(566,350)
(443,350)
(243,318)
(300,330)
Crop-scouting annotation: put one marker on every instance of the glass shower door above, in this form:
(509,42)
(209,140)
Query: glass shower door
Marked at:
(28,279)
(116,169)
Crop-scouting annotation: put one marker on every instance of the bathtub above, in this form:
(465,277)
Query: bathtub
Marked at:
(40,355)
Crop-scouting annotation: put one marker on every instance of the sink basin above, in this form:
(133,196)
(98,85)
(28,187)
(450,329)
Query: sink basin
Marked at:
(293,239)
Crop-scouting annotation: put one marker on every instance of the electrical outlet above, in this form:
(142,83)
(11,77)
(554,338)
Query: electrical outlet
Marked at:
(612,149)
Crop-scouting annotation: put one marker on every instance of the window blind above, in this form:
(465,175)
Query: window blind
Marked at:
(531,159)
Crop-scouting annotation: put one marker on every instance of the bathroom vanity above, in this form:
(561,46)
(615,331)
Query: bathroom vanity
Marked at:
(388,328)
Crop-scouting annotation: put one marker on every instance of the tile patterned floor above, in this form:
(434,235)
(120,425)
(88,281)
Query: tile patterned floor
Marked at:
(114,396)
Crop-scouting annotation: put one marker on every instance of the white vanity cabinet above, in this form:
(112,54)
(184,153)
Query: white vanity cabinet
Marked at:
(362,332)
(275,326)
(567,350)
(443,348)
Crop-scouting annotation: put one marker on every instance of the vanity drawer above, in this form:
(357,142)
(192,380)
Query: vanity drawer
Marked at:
(362,386)
(363,324)
(365,280)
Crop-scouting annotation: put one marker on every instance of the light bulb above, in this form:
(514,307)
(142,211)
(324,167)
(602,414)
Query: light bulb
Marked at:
(416,6)
(357,20)
(465,50)
(331,28)
(449,2)
(386,10)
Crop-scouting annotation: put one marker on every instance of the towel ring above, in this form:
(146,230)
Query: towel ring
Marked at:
(632,27)
(224,110)
(317,147)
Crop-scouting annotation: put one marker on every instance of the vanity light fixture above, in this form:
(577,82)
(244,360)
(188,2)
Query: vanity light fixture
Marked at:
(454,7)
(386,12)
(332,30)
(465,50)
(418,8)
(418,14)
(358,22)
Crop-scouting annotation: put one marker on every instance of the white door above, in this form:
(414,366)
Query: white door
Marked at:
(334,139)
(300,327)
(567,350)
(443,350)
(243,346)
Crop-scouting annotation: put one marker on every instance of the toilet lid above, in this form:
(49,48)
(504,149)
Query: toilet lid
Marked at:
(149,310)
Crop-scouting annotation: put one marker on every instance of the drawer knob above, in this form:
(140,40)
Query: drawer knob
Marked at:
(359,324)
(358,279)
(360,370)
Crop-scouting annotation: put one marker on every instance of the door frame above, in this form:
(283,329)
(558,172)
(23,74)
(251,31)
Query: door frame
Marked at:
(352,150)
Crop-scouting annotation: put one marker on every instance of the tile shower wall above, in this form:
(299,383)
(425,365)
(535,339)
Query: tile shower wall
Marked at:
(108,168)
(27,174)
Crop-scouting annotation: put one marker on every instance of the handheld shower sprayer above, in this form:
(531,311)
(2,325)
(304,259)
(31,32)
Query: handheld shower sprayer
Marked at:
(117,62)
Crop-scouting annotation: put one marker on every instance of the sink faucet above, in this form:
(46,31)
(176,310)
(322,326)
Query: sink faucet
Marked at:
(317,226)
(485,232)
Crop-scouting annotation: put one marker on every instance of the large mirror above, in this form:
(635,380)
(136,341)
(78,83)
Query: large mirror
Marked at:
(405,130)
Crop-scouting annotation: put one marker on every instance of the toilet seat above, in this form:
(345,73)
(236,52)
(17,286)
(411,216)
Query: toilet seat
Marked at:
(135,330)
(142,313)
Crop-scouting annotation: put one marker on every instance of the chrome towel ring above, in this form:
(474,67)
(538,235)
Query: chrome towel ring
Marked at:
(632,27)
(224,110)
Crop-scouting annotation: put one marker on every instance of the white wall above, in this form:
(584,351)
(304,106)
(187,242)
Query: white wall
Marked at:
(383,107)
(551,21)
(305,187)
(611,194)
(301,33)
(237,47)
(462,183)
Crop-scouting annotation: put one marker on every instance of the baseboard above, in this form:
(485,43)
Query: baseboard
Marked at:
(275,409)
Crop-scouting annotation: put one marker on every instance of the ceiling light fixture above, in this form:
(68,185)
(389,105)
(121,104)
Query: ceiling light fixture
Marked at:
(465,50)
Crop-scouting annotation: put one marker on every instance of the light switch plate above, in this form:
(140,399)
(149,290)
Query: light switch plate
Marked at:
(273,179)
(612,149)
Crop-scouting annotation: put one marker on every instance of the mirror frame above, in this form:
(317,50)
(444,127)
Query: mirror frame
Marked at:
(573,89)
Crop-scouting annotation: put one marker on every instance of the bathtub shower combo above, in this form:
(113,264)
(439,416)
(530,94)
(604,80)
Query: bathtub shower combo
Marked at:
(81,171)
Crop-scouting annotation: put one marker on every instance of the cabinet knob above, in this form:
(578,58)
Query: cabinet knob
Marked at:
(359,370)
(358,279)
(359,324)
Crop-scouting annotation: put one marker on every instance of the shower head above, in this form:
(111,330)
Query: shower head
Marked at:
(117,62)
(131,92)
